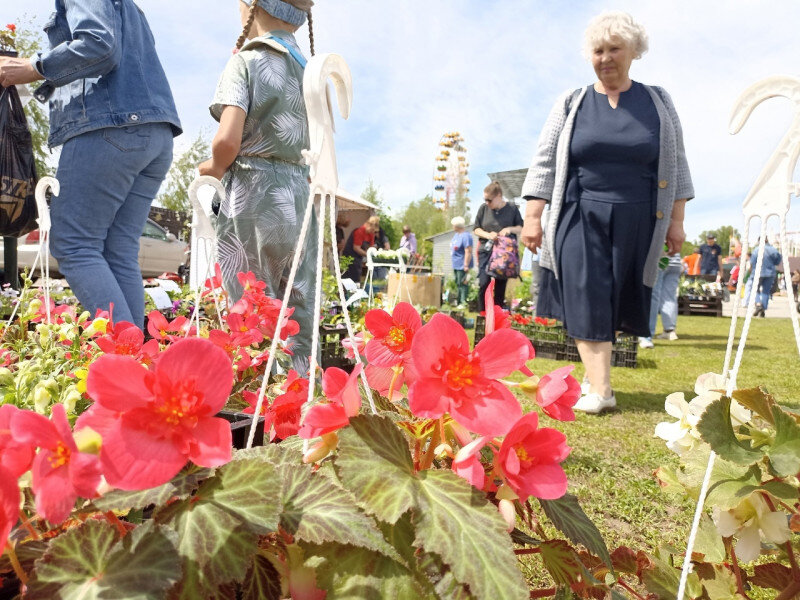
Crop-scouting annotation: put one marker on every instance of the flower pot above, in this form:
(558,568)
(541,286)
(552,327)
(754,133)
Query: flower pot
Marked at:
(240,428)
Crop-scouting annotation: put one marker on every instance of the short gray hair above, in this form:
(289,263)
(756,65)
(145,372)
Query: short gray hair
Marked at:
(611,24)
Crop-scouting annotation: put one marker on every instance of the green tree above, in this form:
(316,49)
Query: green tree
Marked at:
(175,195)
(28,41)
(425,219)
(372,194)
(723,235)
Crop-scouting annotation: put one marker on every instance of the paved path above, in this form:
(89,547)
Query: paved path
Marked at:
(778,308)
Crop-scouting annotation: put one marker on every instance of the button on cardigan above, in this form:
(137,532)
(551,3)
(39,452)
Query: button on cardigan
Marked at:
(547,175)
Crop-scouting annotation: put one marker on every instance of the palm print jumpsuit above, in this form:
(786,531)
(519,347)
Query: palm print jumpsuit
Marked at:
(259,221)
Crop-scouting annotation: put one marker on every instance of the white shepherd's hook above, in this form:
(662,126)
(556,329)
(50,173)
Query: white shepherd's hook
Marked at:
(770,196)
(203,245)
(321,158)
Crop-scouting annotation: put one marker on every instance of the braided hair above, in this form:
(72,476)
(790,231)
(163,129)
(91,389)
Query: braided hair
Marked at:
(311,32)
(251,15)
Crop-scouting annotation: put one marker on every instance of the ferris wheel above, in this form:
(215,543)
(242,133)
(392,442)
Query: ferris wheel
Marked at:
(451,173)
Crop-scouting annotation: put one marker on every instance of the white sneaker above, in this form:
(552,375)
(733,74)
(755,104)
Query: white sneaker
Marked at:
(586,387)
(646,343)
(594,404)
(668,335)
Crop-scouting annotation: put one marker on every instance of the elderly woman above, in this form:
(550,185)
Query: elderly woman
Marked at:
(495,217)
(461,256)
(611,163)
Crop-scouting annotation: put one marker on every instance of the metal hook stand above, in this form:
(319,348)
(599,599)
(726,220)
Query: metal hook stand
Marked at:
(769,196)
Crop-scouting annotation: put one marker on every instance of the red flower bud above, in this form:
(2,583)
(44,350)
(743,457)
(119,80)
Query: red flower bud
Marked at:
(11,26)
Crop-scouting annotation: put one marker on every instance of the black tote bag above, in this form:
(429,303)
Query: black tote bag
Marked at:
(17,168)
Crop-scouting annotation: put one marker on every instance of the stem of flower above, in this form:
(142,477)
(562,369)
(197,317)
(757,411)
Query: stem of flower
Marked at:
(543,593)
(520,551)
(26,523)
(736,570)
(113,520)
(628,588)
(793,561)
(427,459)
(442,434)
(18,570)
(397,370)
(790,592)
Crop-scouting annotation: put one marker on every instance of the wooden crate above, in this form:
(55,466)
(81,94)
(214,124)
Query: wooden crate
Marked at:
(711,307)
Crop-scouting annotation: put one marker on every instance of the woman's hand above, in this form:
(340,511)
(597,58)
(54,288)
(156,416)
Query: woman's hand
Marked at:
(532,233)
(207,168)
(504,231)
(675,236)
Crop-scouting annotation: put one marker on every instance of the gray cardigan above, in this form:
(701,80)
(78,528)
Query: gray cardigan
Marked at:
(547,175)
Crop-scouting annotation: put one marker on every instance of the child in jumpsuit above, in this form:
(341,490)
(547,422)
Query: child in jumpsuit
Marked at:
(257,155)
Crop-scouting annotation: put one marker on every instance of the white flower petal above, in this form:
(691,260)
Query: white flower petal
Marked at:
(670,432)
(676,405)
(727,523)
(748,548)
(708,382)
(775,527)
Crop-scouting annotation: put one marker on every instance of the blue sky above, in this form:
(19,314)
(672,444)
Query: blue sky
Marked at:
(491,70)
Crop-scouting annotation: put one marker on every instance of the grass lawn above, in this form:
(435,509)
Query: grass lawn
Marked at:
(614,455)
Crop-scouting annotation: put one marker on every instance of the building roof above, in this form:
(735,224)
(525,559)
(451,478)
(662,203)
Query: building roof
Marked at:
(430,238)
(347,201)
(510,181)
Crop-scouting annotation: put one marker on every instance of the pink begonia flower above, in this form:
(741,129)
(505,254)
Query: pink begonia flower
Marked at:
(9,504)
(497,318)
(152,422)
(558,392)
(61,474)
(392,334)
(163,330)
(452,379)
(357,343)
(283,415)
(530,459)
(344,401)
(127,339)
(16,457)
(249,282)
(467,463)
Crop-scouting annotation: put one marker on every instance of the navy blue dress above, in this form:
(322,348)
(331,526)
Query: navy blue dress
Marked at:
(607,219)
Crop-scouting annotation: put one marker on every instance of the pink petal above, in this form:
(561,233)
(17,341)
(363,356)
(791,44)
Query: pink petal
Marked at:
(547,481)
(58,416)
(503,352)
(441,334)
(85,474)
(9,504)
(378,322)
(405,314)
(380,355)
(492,414)
(133,460)
(510,464)
(118,383)
(28,427)
(199,360)
(322,419)
(55,496)
(472,470)
(351,395)
(334,381)
(212,446)
(428,397)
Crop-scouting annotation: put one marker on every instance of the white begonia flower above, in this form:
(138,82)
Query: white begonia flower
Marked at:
(709,382)
(681,434)
(751,521)
(739,414)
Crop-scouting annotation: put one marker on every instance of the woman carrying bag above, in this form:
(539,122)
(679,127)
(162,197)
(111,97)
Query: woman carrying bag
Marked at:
(497,224)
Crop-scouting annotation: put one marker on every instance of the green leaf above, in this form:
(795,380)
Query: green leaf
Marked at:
(784,455)
(218,527)
(179,487)
(445,584)
(568,517)
(726,493)
(375,464)
(716,430)
(276,454)
(455,521)
(723,585)
(90,563)
(662,580)
(523,539)
(262,582)
(709,541)
(561,562)
(757,400)
(317,512)
(355,573)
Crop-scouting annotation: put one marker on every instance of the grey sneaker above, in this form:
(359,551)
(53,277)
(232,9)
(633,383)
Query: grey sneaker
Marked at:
(668,335)
(594,404)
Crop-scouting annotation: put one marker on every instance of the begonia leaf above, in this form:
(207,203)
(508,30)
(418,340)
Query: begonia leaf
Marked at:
(709,541)
(662,579)
(218,527)
(568,517)
(716,430)
(723,585)
(444,582)
(560,561)
(276,454)
(771,575)
(348,572)
(375,464)
(726,493)
(456,521)
(784,454)
(91,562)
(181,486)
(757,400)
(262,582)
(317,512)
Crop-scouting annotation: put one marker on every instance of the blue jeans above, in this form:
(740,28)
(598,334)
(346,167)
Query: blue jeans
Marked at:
(108,179)
(665,299)
(764,289)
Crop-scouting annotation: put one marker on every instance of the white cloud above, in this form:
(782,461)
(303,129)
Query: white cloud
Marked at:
(491,70)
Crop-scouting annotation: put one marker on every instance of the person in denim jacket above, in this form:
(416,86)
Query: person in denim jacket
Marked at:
(112,111)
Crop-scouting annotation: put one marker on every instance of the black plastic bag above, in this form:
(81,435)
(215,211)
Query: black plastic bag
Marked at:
(17,168)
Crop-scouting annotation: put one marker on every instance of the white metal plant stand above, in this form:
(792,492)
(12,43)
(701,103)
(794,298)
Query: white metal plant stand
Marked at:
(770,196)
